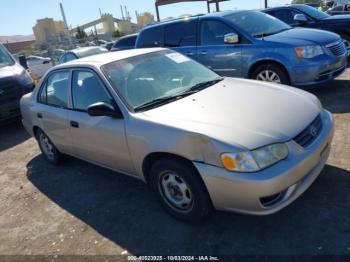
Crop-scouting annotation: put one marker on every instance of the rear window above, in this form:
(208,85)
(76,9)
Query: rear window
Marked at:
(152,37)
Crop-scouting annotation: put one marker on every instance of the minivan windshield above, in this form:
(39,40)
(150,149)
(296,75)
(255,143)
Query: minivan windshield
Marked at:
(258,24)
(313,12)
(5,58)
(153,79)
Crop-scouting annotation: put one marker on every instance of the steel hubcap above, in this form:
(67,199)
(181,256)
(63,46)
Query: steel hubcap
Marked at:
(176,192)
(46,146)
(269,76)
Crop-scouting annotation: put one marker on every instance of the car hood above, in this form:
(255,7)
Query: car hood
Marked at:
(338,18)
(10,71)
(304,36)
(242,113)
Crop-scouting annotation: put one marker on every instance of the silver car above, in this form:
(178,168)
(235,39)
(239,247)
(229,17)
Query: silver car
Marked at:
(200,141)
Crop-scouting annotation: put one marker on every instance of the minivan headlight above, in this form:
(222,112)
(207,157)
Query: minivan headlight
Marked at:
(252,161)
(309,51)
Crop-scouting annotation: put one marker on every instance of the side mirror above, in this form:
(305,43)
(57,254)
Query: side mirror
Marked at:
(23,61)
(300,18)
(231,38)
(104,109)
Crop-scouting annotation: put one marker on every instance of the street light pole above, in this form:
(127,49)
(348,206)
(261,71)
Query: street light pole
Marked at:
(266,3)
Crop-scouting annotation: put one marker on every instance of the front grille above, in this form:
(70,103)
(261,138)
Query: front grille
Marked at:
(310,133)
(337,49)
(9,91)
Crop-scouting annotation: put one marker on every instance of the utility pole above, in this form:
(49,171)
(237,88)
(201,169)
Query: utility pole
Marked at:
(266,3)
(66,26)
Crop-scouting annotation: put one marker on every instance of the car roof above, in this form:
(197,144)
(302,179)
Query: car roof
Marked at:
(283,6)
(216,14)
(106,58)
(80,50)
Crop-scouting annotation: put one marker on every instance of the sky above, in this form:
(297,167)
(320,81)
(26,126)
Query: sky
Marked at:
(19,16)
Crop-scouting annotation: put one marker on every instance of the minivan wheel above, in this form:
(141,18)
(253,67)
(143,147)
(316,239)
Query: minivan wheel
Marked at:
(271,73)
(48,149)
(180,190)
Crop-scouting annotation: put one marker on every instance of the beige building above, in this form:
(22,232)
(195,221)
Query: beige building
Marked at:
(47,29)
(144,19)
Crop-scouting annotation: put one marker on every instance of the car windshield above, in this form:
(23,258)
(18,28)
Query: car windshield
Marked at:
(313,12)
(258,24)
(5,58)
(153,79)
(92,51)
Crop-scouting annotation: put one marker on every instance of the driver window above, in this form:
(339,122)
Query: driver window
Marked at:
(213,32)
(87,90)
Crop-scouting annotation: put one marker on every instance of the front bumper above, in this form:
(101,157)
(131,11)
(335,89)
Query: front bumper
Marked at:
(317,71)
(280,184)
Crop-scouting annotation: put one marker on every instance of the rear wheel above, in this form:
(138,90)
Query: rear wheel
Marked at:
(180,190)
(271,73)
(47,148)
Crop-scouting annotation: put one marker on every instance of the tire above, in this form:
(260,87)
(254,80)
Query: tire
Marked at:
(48,149)
(180,190)
(272,71)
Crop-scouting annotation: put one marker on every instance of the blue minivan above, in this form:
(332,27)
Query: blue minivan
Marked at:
(252,44)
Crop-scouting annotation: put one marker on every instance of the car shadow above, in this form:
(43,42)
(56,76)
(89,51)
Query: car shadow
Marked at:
(335,97)
(123,210)
(12,135)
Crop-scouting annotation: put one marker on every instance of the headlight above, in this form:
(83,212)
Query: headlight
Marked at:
(252,161)
(309,51)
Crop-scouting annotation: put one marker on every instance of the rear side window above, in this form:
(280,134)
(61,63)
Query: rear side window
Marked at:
(152,37)
(54,91)
(180,34)
(87,90)
(129,41)
(213,32)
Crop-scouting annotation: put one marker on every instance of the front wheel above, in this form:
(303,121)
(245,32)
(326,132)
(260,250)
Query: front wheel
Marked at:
(271,73)
(180,190)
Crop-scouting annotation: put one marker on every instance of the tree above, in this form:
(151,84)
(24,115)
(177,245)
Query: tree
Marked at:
(80,34)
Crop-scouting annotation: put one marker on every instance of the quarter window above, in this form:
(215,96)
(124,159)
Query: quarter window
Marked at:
(181,34)
(55,89)
(213,32)
(87,90)
(152,37)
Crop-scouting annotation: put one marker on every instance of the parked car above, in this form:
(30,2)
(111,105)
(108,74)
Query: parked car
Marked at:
(251,44)
(339,10)
(305,16)
(81,52)
(14,82)
(39,65)
(125,42)
(198,139)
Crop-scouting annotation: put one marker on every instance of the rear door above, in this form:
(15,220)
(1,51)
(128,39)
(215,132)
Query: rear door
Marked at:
(102,139)
(182,37)
(224,59)
(52,109)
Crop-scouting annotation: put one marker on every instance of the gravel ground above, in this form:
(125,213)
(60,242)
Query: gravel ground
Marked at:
(78,208)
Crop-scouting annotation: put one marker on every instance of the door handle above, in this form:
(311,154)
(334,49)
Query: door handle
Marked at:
(74,124)
(39,115)
(203,53)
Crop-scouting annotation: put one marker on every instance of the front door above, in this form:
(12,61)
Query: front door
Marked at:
(97,139)
(224,59)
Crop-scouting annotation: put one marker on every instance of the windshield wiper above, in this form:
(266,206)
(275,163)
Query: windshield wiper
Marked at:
(202,85)
(272,33)
(155,102)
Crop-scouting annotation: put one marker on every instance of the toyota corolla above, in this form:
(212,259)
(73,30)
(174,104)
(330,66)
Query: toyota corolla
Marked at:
(201,142)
